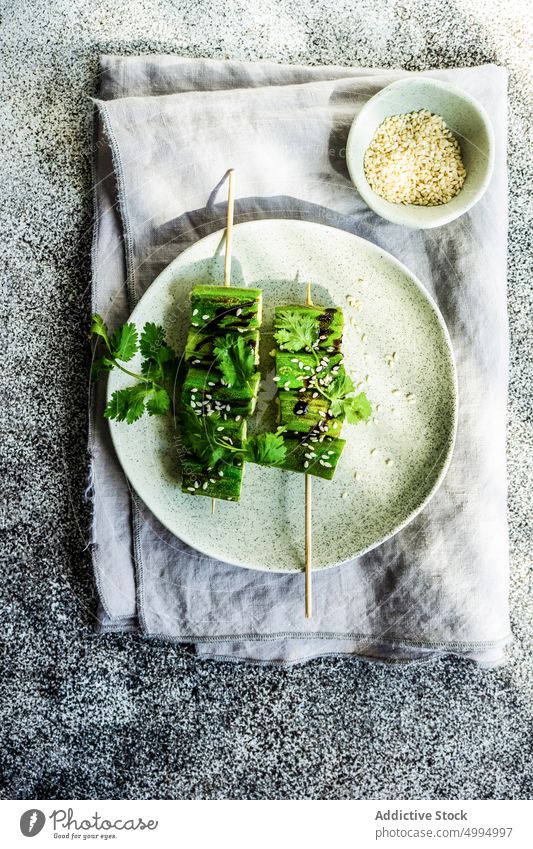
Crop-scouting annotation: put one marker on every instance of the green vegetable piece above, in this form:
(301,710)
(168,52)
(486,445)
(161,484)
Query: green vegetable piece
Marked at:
(300,412)
(204,391)
(219,308)
(199,347)
(295,370)
(224,482)
(313,458)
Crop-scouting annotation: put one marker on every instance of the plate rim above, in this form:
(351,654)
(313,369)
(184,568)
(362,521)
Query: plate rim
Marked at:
(450,445)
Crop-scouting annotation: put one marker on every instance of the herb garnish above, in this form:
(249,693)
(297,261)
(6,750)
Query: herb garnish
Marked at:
(299,331)
(235,358)
(154,389)
(267,449)
(203,436)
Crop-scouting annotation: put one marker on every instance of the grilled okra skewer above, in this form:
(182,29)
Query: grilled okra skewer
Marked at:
(222,343)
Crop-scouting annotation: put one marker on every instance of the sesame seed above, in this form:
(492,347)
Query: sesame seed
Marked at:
(414,159)
(195,312)
(389,462)
(205,317)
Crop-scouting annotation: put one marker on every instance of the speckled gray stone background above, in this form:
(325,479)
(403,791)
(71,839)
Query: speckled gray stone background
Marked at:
(120,717)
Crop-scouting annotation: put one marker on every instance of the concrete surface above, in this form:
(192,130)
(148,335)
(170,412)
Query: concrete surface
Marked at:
(119,717)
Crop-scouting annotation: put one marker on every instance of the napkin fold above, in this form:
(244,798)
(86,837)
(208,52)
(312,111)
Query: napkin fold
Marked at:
(166,130)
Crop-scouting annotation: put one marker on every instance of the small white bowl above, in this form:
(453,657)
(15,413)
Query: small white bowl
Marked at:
(464,116)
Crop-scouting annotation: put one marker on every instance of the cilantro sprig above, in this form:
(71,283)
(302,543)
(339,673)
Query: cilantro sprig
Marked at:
(234,356)
(343,404)
(153,391)
(203,436)
(267,449)
(299,331)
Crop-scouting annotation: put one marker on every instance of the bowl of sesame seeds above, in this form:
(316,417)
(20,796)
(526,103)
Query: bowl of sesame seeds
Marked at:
(421,152)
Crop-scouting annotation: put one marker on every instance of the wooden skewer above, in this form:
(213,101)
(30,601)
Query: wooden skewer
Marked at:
(308,520)
(229,228)
(227,249)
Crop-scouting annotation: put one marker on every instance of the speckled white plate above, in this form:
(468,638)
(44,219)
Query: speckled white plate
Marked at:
(397,349)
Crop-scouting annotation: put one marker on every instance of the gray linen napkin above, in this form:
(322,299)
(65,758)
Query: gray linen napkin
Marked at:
(166,130)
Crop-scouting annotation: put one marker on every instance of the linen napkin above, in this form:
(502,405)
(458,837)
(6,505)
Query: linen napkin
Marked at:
(166,130)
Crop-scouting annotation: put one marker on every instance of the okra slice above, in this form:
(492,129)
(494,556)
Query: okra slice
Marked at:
(225,482)
(199,347)
(216,309)
(300,412)
(203,391)
(295,370)
(223,479)
(329,323)
(313,458)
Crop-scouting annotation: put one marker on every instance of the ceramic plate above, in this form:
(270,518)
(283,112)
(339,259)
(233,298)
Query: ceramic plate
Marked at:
(398,351)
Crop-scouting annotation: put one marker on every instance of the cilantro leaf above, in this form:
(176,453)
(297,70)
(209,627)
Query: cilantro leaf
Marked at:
(99,328)
(159,364)
(127,404)
(154,345)
(340,387)
(236,360)
(158,403)
(124,342)
(200,436)
(297,331)
(355,409)
(267,449)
